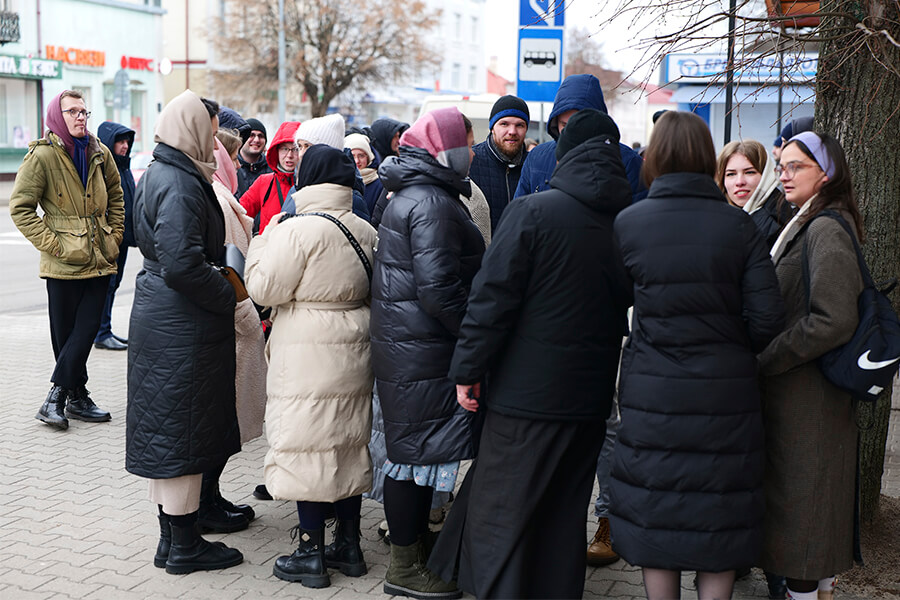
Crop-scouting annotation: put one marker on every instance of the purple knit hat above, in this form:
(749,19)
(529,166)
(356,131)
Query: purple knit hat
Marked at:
(442,133)
(57,124)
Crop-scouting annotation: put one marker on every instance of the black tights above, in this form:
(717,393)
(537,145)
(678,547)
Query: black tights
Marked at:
(313,514)
(406,506)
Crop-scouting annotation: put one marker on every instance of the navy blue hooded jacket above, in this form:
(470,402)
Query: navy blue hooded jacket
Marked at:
(577,92)
(110,133)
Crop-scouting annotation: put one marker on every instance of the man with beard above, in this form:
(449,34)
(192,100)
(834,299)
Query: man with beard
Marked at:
(252,157)
(498,160)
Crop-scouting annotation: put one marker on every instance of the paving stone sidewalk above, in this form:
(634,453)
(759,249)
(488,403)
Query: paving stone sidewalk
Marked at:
(75,525)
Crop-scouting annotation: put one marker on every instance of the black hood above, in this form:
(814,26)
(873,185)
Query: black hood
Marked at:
(230,119)
(593,174)
(414,166)
(110,133)
(383,131)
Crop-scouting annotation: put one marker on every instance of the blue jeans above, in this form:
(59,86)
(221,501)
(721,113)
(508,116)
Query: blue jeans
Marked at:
(105,330)
(604,462)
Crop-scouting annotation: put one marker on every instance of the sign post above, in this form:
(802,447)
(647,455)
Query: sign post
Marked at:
(540,50)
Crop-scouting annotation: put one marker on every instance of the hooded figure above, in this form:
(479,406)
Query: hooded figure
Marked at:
(429,250)
(383,132)
(545,322)
(268,193)
(576,92)
(319,410)
(181,354)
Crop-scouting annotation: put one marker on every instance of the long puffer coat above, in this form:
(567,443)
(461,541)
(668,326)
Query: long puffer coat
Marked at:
(686,485)
(429,249)
(181,400)
(319,408)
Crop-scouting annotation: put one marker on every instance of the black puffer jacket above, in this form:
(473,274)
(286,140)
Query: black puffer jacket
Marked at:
(497,176)
(428,252)
(686,489)
(181,401)
(547,310)
(772,216)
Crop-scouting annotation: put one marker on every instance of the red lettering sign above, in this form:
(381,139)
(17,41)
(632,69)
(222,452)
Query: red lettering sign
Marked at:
(77,56)
(138,64)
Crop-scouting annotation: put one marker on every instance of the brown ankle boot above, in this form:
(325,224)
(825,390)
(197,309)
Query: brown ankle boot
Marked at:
(600,552)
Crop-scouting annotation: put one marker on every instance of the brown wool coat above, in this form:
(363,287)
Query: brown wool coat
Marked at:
(811,435)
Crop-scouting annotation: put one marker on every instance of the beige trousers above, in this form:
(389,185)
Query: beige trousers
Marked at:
(178,495)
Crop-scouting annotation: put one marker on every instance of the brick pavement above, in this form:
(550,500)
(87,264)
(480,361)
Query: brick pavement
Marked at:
(76,525)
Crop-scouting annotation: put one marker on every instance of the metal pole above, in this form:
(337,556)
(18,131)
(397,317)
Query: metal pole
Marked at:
(780,87)
(281,61)
(729,76)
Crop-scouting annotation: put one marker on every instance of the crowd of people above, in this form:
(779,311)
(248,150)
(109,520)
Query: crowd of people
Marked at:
(413,298)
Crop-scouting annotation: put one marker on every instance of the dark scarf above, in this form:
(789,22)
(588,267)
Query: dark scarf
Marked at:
(79,156)
(515,161)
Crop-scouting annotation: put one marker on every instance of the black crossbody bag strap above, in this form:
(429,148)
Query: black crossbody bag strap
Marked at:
(359,251)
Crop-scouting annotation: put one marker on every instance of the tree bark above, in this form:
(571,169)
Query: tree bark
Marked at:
(858,102)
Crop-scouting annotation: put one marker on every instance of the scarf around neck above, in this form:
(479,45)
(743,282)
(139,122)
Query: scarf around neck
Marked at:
(513,161)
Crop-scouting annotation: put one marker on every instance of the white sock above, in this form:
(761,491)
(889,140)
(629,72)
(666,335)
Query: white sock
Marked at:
(827,584)
(813,595)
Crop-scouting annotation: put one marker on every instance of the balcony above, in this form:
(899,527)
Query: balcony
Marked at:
(9,27)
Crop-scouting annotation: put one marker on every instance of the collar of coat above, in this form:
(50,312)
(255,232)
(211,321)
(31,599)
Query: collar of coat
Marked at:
(323,196)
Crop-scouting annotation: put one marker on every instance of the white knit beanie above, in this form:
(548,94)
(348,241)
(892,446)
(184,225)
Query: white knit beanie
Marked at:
(327,130)
(357,141)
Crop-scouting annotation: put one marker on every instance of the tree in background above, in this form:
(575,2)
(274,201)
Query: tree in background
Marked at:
(330,46)
(857,101)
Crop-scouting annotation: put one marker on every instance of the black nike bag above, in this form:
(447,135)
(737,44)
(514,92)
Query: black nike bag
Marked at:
(866,365)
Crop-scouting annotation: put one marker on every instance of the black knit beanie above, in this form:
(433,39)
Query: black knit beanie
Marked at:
(255,125)
(509,106)
(584,125)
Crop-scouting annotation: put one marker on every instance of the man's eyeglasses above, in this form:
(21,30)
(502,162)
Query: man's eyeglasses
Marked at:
(791,168)
(75,113)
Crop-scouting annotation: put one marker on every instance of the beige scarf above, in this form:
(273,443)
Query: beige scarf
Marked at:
(368,175)
(790,230)
(185,125)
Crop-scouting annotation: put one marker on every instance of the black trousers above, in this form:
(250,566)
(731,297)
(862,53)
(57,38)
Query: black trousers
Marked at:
(75,306)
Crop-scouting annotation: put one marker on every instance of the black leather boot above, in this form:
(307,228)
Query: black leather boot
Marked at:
(190,552)
(52,412)
(81,407)
(213,516)
(344,552)
(307,563)
(165,541)
(244,509)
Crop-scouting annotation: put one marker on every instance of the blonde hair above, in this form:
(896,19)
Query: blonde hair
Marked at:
(754,152)
(230,140)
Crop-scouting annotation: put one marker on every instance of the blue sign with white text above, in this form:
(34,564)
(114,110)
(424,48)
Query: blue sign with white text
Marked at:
(540,63)
(542,13)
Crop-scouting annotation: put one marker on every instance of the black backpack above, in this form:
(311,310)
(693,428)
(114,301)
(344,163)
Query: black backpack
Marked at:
(866,365)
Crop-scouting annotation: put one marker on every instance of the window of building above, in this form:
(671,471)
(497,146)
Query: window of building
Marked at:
(473,78)
(474,33)
(457,26)
(454,76)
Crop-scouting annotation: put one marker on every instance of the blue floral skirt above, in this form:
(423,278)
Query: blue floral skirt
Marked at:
(440,477)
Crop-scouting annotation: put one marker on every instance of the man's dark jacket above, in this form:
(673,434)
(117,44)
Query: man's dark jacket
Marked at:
(547,311)
(249,172)
(496,175)
(110,133)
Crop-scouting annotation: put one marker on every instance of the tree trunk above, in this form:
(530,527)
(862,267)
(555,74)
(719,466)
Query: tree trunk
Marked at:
(858,102)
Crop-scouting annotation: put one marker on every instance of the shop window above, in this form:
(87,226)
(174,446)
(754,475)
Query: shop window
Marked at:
(138,98)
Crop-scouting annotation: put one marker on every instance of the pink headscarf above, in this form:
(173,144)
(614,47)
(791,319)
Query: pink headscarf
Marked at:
(442,133)
(57,124)
(225,171)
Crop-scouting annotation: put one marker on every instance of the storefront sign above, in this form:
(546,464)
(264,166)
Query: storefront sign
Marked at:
(138,64)
(24,67)
(689,68)
(77,56)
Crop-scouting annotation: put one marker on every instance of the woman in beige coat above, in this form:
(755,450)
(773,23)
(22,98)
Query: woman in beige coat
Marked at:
(319,386)
(811,435)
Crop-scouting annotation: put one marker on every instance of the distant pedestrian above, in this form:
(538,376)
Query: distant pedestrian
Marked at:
(361,148)
(252,157)
(319,409)
(498,160)
(544,324)
(386,137)
(686,490)
(429,250)
(75,182)
(119,139)
(182,420)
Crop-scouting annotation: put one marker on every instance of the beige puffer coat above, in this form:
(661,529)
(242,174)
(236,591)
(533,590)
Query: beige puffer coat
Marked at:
(319,384)
(82,226)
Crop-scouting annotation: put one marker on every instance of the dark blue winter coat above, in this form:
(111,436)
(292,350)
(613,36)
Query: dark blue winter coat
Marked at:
(577,92)
(429,249)
(109,133)
(686,487)
(497,177)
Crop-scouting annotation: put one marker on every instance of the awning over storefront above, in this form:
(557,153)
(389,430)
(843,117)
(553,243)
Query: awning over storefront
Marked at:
(743,94)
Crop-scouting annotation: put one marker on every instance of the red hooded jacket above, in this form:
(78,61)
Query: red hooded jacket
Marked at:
(254,199)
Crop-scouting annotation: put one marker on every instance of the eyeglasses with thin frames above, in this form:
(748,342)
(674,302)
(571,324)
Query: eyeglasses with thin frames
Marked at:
(791,168)
(285,149)
(75,113)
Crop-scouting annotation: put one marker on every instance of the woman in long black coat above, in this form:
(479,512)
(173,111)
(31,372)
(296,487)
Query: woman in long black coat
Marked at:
(545,323)
(181,417)
(687,474)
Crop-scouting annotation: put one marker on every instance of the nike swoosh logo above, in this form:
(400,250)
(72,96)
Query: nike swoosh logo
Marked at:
(865,363)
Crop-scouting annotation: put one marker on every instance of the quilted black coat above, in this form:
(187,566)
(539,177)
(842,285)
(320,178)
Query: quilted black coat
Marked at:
(428,252)
(181,402)
(686,488)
